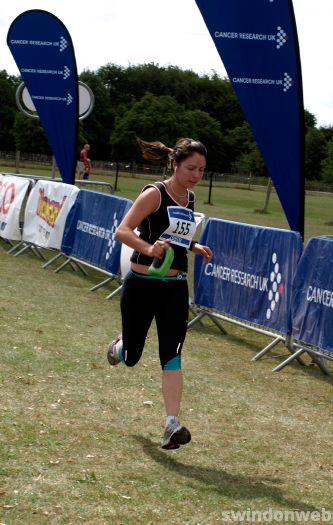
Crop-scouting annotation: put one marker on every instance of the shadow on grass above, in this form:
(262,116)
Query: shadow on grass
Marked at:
(276,355)
(246,340)
(233,486)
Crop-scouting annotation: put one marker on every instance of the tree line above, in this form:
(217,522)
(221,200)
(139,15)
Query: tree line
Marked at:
(162,103)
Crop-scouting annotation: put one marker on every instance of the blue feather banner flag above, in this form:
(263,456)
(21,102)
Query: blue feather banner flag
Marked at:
(258,45)
(43,51)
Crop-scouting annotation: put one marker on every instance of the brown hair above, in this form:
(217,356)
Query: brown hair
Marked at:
(183,148)
(153,150)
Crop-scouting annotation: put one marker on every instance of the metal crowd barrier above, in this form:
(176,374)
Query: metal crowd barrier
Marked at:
(87,184)
(216,317)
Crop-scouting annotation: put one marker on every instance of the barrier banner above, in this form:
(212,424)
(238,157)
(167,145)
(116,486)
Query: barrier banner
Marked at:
(90,229)
(312,300)
(258,44)
(44,53)
(46,211)
(12,193)
(251,273)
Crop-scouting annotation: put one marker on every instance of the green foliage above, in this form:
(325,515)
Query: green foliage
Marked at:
(327,163)
(162,118)
(213,95)
(310,120)
(208,130)
(239,142)
(97,127)
(182,103)
(152,118)
(210,104)
(251,163)
(29,135)
(8,110)
(314,153)
(244,150)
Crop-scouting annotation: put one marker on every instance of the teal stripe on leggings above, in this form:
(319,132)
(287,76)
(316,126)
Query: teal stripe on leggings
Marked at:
(174,364)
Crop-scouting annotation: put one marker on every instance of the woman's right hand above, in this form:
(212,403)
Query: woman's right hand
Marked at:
(157,249)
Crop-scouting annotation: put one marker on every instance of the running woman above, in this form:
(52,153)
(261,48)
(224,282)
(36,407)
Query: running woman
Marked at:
(162,213)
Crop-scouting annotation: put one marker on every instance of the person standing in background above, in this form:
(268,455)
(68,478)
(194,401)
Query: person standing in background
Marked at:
(84,164)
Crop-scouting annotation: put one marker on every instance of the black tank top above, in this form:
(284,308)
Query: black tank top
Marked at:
(157,222)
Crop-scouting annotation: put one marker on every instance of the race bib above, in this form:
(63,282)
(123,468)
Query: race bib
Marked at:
(181,228)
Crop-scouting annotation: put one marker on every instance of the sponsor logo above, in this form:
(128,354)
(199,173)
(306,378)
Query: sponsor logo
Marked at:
(68,99)
(273,285)
(33,43)
(7,196)
(321,296)
(285,83)
(279,38)
(112,240)
(236,276)
(65,73)
(62,44)
(48,209)
(107,234)
(288,82)
(276,287)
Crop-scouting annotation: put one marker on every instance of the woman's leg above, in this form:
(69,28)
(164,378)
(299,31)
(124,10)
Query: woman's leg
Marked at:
(172,389)
(171,320)
(137,314)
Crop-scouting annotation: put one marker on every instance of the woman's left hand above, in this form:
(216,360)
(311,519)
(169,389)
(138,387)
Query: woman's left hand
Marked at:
(204,251)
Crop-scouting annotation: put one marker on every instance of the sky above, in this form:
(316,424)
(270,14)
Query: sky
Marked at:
(173,33)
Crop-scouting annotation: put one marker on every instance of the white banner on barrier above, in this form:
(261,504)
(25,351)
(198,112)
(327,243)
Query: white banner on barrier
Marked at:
(12,192)
(46,212)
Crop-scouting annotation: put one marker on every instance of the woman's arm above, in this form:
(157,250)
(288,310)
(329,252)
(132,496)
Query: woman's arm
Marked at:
(204,251)
(146,203)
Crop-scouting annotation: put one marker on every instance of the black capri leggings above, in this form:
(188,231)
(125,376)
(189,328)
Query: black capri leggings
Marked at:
(144,298)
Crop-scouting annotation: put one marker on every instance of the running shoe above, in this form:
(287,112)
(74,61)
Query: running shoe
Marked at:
(175,435)
(111,354)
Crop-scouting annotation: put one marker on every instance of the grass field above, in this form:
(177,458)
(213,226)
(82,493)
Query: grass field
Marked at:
(80,441)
